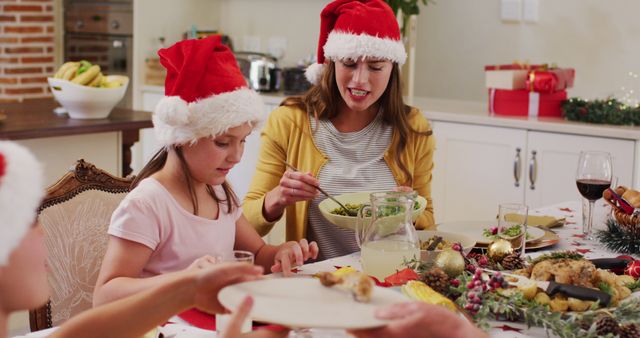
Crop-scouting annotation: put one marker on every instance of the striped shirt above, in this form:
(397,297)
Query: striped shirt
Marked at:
(355,164)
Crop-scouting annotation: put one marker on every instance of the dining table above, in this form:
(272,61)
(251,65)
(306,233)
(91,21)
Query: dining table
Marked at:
(570,238)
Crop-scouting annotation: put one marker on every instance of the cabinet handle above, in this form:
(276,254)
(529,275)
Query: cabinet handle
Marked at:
(533,170)
(516,168)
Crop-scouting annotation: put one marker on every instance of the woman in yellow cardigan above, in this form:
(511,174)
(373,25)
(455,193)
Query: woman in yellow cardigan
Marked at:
(350,132)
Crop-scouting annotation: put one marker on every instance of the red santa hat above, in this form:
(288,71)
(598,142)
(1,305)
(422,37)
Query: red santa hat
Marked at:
(351,29)
(205,93)
(21,191)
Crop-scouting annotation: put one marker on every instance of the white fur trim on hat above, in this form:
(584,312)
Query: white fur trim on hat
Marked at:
(176,122)
(344,45)
(21,191)
(314,72)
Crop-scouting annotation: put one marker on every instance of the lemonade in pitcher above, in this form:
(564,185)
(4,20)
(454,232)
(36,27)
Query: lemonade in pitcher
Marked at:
(389,239)
(384,257)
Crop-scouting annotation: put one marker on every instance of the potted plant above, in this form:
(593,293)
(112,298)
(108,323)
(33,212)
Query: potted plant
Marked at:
(405,9)
(406,12)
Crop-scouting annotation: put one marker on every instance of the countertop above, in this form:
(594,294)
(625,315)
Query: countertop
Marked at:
(36,119)
(476,112)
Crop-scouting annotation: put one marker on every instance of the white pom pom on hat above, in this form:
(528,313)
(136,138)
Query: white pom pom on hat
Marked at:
(21,191)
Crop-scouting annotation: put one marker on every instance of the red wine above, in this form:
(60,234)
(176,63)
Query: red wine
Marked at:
(592,189)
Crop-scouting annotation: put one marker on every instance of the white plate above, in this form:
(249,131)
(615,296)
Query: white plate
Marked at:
(305,303)
(474,230)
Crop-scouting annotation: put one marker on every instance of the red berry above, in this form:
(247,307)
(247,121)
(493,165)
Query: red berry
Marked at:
(455,282)
(456,247)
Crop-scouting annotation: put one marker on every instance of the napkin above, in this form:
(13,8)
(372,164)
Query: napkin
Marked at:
(199,319)
(545,221)
(206,321)
(539,221)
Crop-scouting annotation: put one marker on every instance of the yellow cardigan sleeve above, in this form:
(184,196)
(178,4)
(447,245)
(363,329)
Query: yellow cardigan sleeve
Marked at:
(423,171)
(269,169)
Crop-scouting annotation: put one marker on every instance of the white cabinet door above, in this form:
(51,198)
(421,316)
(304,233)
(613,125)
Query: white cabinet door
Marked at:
(552,179)
(476,168)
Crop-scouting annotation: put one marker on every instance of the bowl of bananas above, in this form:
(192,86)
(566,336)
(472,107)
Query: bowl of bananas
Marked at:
(86,93)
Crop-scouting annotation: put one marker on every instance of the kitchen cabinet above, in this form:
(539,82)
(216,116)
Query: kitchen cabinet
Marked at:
(479,166)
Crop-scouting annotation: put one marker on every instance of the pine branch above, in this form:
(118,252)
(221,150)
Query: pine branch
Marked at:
(609,111)
(615,238)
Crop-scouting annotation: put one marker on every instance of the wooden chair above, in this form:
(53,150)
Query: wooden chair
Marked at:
(75,216)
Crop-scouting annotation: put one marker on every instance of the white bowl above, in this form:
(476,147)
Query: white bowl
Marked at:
(428,256)
(349,222)
(83,102)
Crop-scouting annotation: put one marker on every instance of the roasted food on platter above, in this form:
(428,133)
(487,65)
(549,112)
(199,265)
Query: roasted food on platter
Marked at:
(357,283)
(571,268)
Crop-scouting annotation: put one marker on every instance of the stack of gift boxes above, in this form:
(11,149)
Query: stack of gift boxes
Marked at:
(527,90)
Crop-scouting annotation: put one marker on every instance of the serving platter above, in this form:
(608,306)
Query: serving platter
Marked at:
(474,229)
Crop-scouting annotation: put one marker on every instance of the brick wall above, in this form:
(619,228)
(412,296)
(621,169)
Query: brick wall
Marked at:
(26,48)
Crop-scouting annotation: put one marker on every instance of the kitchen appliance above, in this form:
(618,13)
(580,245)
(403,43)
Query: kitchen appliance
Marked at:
(260,70)
(294,82)
(101,33)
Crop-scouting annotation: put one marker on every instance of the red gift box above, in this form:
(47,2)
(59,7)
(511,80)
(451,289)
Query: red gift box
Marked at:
(526,103)
(539,78)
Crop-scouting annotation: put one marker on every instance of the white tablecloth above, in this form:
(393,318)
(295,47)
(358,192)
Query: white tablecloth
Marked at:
(571,238)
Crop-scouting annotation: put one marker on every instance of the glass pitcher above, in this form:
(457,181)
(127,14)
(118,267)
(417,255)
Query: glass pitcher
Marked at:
(385,233)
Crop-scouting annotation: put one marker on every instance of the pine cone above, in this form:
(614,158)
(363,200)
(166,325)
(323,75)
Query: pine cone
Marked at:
(437,279)
(629,331)
(512,262)
(606,325)
(585,325)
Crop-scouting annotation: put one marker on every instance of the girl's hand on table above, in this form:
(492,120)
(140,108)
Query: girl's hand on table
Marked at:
(292,254)
(234,326)
(210,280)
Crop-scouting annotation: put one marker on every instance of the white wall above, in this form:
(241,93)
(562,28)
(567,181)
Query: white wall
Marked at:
(168,18)
(456,38)
(298,21)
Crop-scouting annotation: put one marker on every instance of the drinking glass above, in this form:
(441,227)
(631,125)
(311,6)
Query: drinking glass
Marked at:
(511,215)
(222,320)
(593,177)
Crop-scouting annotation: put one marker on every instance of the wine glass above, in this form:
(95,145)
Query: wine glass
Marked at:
(593,177)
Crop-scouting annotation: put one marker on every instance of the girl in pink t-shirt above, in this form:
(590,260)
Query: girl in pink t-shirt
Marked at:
(182,214)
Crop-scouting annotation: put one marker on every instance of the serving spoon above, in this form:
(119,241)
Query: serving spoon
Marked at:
(347,210)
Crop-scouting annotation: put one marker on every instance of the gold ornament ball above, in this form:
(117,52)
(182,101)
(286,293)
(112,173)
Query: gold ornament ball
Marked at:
(450,261)
(498,249)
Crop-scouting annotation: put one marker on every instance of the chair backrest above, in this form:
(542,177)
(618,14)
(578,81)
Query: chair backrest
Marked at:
(75,216)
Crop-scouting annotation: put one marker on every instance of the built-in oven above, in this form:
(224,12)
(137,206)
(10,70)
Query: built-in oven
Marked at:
(101,33)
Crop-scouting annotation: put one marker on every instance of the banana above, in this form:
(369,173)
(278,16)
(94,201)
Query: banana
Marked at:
(96,81)
(87,77)
(64,68)
(70,73)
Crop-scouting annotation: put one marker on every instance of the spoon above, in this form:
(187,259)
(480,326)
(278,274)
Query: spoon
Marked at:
(347,210)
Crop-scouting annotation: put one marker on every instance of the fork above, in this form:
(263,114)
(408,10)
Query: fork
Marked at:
(347,210)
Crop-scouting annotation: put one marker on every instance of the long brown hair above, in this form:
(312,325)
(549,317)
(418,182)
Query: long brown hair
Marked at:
(158,161)
(322,101)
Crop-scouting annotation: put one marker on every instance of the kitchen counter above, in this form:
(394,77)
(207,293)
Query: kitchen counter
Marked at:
(471,112)
(35,119)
